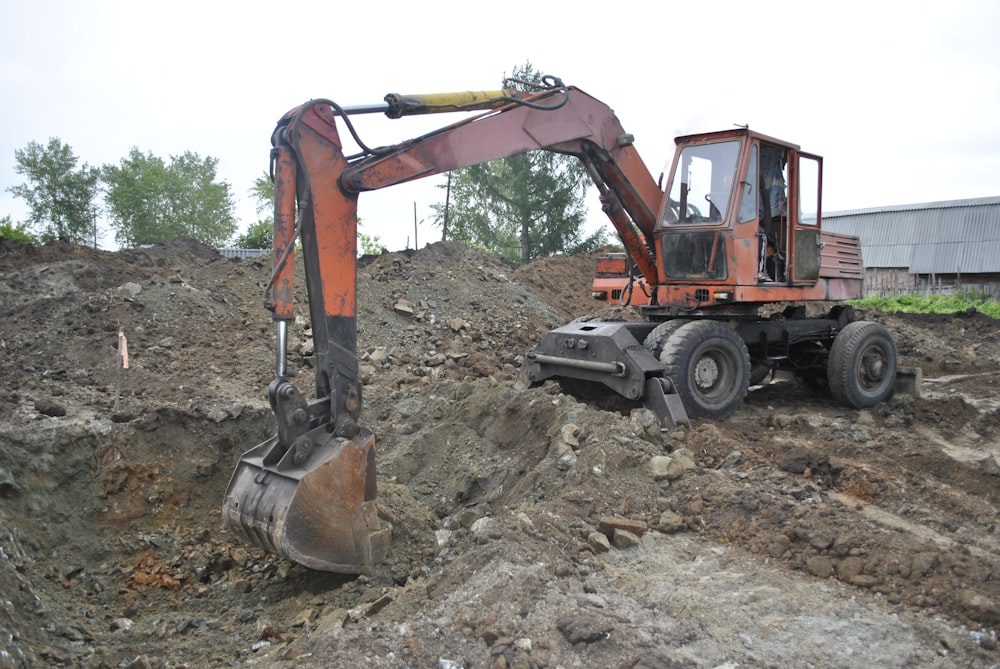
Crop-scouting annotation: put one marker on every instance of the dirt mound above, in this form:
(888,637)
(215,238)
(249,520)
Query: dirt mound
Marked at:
(528,529)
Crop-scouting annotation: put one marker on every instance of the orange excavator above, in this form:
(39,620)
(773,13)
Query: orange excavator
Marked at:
(735,226)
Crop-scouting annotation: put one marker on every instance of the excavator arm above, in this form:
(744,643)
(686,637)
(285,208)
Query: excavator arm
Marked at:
(308,493)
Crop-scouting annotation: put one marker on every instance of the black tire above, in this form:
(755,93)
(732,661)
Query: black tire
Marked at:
(660,334)
(709,366)
(862,366)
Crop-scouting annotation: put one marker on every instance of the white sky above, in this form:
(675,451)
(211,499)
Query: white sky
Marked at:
(901,98)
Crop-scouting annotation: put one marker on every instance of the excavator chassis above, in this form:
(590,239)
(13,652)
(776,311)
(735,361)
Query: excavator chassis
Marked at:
(702,365)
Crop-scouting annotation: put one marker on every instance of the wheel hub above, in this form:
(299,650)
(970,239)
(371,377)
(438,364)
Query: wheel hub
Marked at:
(706,372)
(872,368)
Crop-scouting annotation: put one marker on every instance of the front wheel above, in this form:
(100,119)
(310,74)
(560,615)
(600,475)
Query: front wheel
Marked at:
(861,370)
(709,367)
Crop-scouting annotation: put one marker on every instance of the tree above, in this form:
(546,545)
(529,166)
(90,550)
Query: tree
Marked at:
(262,191)
(526,206)
(370,245)
(16,231)
(262,232)
(58,193)
(151,201)
(260,235)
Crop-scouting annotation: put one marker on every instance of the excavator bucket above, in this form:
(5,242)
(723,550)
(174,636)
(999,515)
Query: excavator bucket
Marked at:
(321,515)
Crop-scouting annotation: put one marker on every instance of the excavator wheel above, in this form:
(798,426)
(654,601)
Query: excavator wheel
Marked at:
(709,366)
(660,334)
(862,365)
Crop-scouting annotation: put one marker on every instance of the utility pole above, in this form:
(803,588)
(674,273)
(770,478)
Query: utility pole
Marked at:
(447,199)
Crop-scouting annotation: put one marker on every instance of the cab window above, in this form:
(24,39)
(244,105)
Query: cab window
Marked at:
(702,188)
(809,185)
(749,200)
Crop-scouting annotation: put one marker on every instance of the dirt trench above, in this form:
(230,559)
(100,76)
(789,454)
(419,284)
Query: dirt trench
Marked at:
(529,529)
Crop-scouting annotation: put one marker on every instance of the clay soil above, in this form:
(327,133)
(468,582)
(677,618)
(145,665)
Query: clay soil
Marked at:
(529,528)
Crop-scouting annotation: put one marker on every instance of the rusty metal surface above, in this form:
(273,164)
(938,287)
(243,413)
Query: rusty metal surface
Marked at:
(321,516)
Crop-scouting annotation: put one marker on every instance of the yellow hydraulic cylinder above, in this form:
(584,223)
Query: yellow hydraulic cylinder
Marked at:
(435,103)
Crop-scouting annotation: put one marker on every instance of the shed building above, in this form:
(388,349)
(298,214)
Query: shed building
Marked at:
(934,246)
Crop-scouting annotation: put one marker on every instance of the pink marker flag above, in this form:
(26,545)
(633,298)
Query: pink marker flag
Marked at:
(123,349)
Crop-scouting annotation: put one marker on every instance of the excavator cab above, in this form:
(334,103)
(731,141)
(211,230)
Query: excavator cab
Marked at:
(725,220)
(740,225)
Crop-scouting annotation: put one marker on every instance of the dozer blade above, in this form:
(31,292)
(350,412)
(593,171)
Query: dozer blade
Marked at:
(908,381)
(608,353)
(321,515)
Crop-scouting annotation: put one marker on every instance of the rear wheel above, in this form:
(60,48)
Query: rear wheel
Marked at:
(709,367)
(862,365)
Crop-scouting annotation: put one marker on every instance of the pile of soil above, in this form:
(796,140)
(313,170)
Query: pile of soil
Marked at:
(529,529)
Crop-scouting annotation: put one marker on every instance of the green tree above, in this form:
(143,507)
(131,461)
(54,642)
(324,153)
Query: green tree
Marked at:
(526,206)
(151,201)
(370,245)
(11,230)
(262,232)
(260,235)
(262,192)
(58,193)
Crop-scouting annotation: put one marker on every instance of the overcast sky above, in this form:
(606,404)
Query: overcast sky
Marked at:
(901,98)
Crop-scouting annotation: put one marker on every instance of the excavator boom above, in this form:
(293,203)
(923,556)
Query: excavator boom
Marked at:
(309,492)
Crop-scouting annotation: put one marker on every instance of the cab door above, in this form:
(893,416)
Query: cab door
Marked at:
(805,214)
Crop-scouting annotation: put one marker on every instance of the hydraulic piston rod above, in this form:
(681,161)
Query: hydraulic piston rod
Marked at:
(612,368)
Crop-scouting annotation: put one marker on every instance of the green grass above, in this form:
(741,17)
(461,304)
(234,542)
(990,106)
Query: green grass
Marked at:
(933,304)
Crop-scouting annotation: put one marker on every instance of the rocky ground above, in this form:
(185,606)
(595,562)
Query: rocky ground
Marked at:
(528,529)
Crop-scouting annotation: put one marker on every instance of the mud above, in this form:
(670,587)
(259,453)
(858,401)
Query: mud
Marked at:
(529,529)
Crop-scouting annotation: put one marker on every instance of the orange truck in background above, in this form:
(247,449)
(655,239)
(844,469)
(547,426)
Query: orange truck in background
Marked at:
(617,282)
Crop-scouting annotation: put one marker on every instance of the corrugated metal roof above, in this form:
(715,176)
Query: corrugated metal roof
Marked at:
(943,204)
(930,238)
